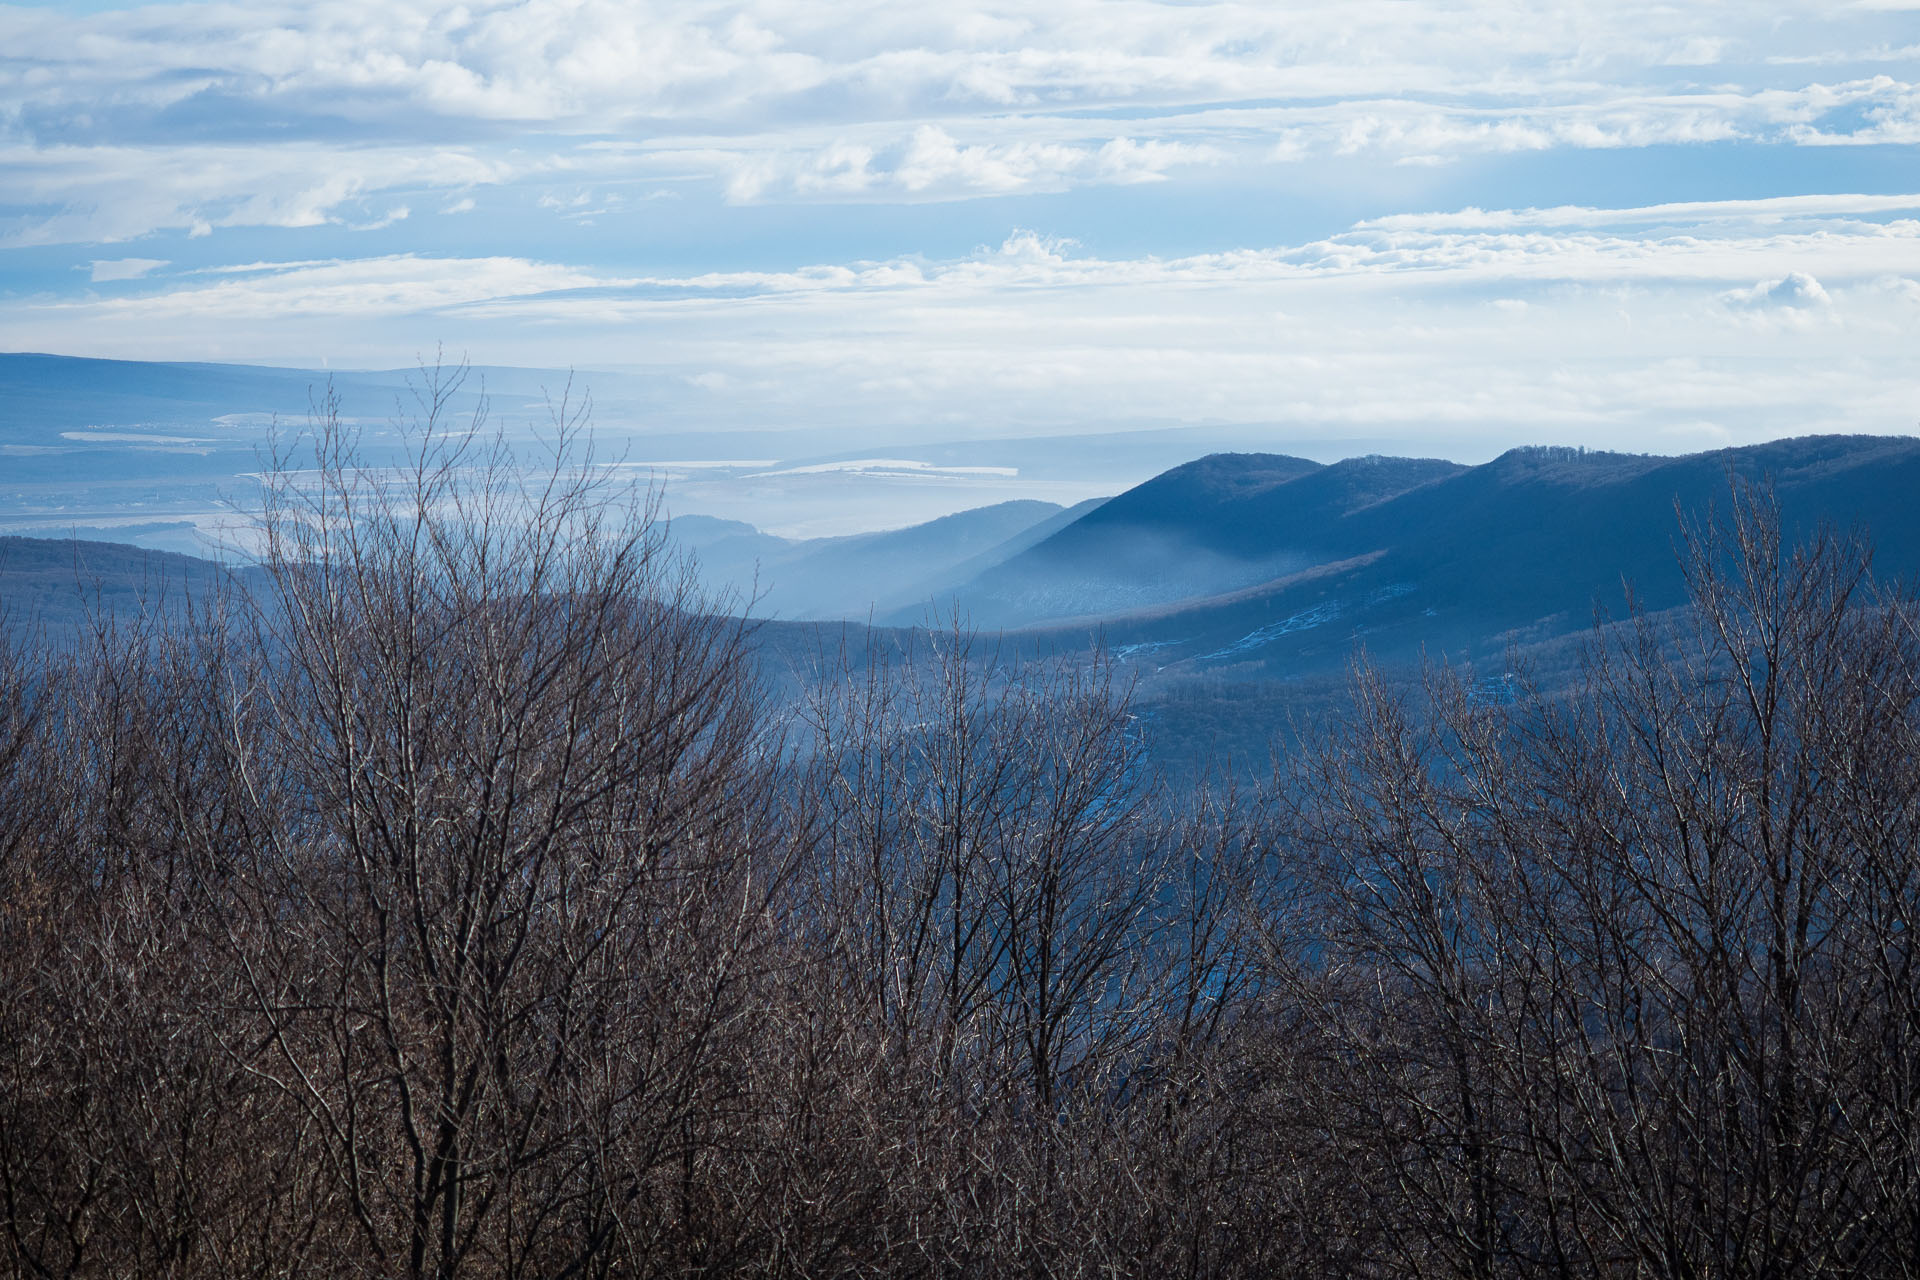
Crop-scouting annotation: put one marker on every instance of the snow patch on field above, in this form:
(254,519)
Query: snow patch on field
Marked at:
(1305,620)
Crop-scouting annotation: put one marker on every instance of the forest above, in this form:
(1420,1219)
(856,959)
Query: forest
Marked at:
(457,894)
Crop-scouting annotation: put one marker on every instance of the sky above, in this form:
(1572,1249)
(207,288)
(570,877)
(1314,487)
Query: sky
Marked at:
(1454,226)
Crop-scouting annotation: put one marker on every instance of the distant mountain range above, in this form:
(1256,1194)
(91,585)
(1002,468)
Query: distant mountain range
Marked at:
(900,572)
(1253,566)
(166,455)
(1276,566)
(1404,556)
(1219,524)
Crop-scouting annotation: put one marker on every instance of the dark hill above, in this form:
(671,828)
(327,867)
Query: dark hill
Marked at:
(856,576)
(1314,512)
(1523,548)
(1216,480)
(1397,555)
(58,583)
(1188,500)
(1222,523)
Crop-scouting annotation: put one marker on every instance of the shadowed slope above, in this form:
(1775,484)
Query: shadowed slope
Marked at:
(866,573)
(1522,548)
(1221,523)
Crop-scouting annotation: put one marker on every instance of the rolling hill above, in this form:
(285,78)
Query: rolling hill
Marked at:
(1219,524)
(57,584)
(903,570)
(1523,548)
(1246,566)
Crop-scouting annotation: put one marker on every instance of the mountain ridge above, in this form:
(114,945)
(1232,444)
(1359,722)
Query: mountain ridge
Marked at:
(1221,523)
(1452,559)
(1526,545)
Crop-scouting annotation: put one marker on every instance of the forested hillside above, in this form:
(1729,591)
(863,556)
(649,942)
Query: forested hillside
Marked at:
(456,899)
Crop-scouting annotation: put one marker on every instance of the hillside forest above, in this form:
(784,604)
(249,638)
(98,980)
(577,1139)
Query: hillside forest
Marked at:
(457,894)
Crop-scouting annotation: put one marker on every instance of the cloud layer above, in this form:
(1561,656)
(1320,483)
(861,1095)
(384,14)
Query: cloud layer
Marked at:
(1467,222)
(199,116)
(1600,330)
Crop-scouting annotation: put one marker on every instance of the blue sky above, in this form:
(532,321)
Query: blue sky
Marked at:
(1459,225)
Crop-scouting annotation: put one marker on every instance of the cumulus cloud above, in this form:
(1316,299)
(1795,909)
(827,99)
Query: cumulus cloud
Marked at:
(1795,291)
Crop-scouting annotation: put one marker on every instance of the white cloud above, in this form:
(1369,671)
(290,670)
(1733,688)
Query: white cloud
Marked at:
(399,213)
(1408,257)
(1836,57)
(1438,263)
(1892,118)
(106,194)
(1901,287)
(932,164)
(865,100)
(1795,291)
(1769,209)
(1622,336)
(124,268)
(386,287)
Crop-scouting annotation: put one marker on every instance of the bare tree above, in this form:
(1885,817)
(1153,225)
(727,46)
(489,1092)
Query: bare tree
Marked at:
(518,862)
(985,906)
(1615,978)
